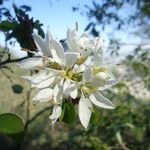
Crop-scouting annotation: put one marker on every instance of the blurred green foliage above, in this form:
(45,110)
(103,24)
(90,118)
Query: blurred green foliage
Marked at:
(130,120)
(12,125)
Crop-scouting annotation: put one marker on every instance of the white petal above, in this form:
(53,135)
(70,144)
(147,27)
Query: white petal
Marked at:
(102,76)
(45,83)
(39,77)
(73,41)
(97,60)
(57,93)
(78,69)
(56,81)
(101,101)
(40,43)
(74,93)
(56,113)
(73,90)
(65,88)
(87,75)
(44,95)
(84,41)
(57,51)
(70,59)
(31,63)
(85,110)
(108,85)
(48,44)
(100,79)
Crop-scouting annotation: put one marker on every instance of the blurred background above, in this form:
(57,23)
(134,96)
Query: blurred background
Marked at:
(125,27)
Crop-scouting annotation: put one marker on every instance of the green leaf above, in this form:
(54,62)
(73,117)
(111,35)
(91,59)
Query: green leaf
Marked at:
(38,25)
(68,113)
(6,26)
(17,88)
(12,125)
(41,33)
(1,2)
(95,117)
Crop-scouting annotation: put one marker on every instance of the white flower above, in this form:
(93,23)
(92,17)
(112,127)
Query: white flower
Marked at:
(65,74)
(82,44)
(91,93)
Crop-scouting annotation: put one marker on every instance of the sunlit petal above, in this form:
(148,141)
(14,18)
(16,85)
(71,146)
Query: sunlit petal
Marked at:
(87,75)
(57,51)
(85,110)
(99,100)
(70,59)
(56,113)
(31,63)
(39,77)
(44,95)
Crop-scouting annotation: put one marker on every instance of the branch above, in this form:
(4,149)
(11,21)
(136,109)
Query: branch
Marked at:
(8,61)
(38,114)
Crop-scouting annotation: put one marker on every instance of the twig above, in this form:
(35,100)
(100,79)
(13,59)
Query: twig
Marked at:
(8,61)
(28,110)
(7,76)
(38,114)
(12,61)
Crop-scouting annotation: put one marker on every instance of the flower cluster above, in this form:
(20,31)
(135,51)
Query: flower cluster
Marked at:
(75,74)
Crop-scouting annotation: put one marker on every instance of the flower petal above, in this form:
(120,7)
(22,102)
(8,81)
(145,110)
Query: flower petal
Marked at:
(78,69)
(44,95)
(85,110)
(57,93)
(70,59)
(97,60)
(57,51)
(56,113)
(48,44)
(99,100)
(40,43)
(45,83)
(73,41)
(71,90)
(87,75)
(31,63)
(108,85)
(41,76)
(74,93)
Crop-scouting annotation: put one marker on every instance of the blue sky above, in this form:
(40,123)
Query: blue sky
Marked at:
(58,15)
(55,14)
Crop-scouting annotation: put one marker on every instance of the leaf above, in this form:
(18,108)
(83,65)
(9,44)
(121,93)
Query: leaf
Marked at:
(38,25)
(68,113)
(95,117)
(12,125)
(94,32)
(41,32)
(17,88)
(88,26)
(1,2)
(6,26)
(25,8)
